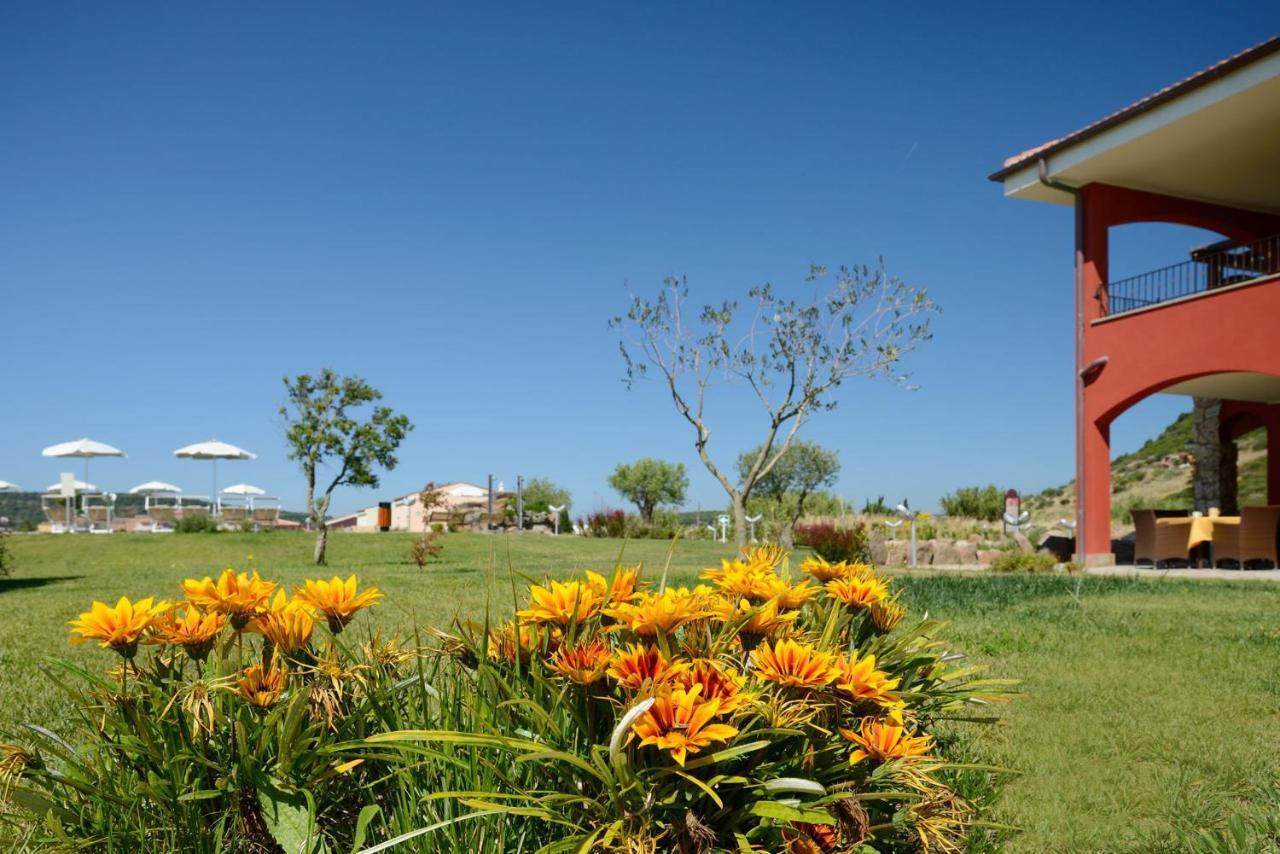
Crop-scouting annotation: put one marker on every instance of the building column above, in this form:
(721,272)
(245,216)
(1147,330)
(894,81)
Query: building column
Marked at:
(1096,543)
(1273,460)
(1213,481)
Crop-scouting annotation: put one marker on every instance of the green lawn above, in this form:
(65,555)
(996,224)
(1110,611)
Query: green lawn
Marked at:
(1150,708)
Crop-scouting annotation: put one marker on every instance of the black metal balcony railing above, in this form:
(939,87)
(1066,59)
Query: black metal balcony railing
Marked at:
(1216,266)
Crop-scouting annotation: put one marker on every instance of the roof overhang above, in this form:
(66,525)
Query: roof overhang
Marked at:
(1235,385)
(1211,138)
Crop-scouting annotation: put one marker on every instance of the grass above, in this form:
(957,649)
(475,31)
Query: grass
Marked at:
(1149,707)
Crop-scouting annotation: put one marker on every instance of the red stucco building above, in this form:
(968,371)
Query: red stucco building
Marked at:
(1203,152)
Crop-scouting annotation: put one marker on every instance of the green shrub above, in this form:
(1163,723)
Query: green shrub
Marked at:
(198,524)
(975,502)
(6,557)
(1015,561)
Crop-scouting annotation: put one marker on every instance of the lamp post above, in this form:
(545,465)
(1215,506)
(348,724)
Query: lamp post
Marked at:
(752,520)
(557,510)
(904,510)
(724,520)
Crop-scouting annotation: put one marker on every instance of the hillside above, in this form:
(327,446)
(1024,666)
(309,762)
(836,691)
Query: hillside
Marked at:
(1159,475)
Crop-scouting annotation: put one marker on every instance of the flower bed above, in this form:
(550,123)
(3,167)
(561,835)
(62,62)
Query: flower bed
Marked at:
(765,709)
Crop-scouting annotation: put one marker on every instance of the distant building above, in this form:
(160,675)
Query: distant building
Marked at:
(408,513)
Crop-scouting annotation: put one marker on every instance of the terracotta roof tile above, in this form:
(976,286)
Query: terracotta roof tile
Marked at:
(1187,84)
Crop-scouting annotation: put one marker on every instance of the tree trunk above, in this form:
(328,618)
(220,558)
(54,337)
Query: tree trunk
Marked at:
(740,520)
(322,540)
(646,513)
(786,538)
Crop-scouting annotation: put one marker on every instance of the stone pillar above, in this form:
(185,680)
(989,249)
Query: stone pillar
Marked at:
(1214,479)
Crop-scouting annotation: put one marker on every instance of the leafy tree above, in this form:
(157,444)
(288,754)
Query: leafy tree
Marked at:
(802,469)
(322,430)
(975,502)
(793,354)
(647,482)
(541,494)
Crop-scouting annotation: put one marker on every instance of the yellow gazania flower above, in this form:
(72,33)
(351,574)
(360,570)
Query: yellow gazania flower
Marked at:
(755,582)
(883,740)
(637,665)
(120,627)
(195,631)
(757,622)
(793,598)
(824,571)
(511,641)
(240,596)
(561,602)
(659,612)
(620,588)
(886,614)
(336,599)
(798,665)
(261,686)
(287,623)
(765,554)
(680,721)
(583,664)
(716,683)
(858,591)
(860,680)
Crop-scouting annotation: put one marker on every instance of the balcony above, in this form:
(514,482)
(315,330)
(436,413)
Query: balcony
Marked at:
(1218,265)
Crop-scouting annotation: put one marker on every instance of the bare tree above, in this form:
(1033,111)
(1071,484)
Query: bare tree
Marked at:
(793,354)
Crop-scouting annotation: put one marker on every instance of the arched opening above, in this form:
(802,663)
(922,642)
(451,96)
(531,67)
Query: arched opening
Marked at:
(1195,448)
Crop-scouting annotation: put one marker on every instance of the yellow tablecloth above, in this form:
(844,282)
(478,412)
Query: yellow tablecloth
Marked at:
(1201,526)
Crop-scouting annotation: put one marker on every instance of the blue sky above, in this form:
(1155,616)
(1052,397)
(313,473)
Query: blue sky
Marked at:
(452,201)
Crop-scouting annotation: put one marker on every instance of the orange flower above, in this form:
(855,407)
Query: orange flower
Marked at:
(336,599)
(561,602)
(882,740)
(765,554)
(860,680)
(858,591)
(511,641)
(618,589)
(798,665)
(824,571)
(756,622)
(583,664)
(238,595)
(659,612)
(755,582)
(195,631)
(637,665)
(794,598)
(119,627)
(261,686)
(680,721)
(288,624)
(886,614)
(716,683)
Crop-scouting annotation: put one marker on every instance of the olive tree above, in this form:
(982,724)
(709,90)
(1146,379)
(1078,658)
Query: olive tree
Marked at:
(322,429)
(801,470)
(794,354)
(647,482)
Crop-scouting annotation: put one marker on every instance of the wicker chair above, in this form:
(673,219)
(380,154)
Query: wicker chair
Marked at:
(232,516)
(163,518)
(1172,541)
(1253,539)
(265,517)
(1144,535)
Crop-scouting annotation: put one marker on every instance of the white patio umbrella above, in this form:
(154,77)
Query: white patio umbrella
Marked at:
(6,486)
(244,489)
(78,485)
(84,448)
(153,486)
(214,450)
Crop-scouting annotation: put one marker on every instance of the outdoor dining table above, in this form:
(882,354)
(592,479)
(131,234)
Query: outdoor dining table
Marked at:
(1201,529)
